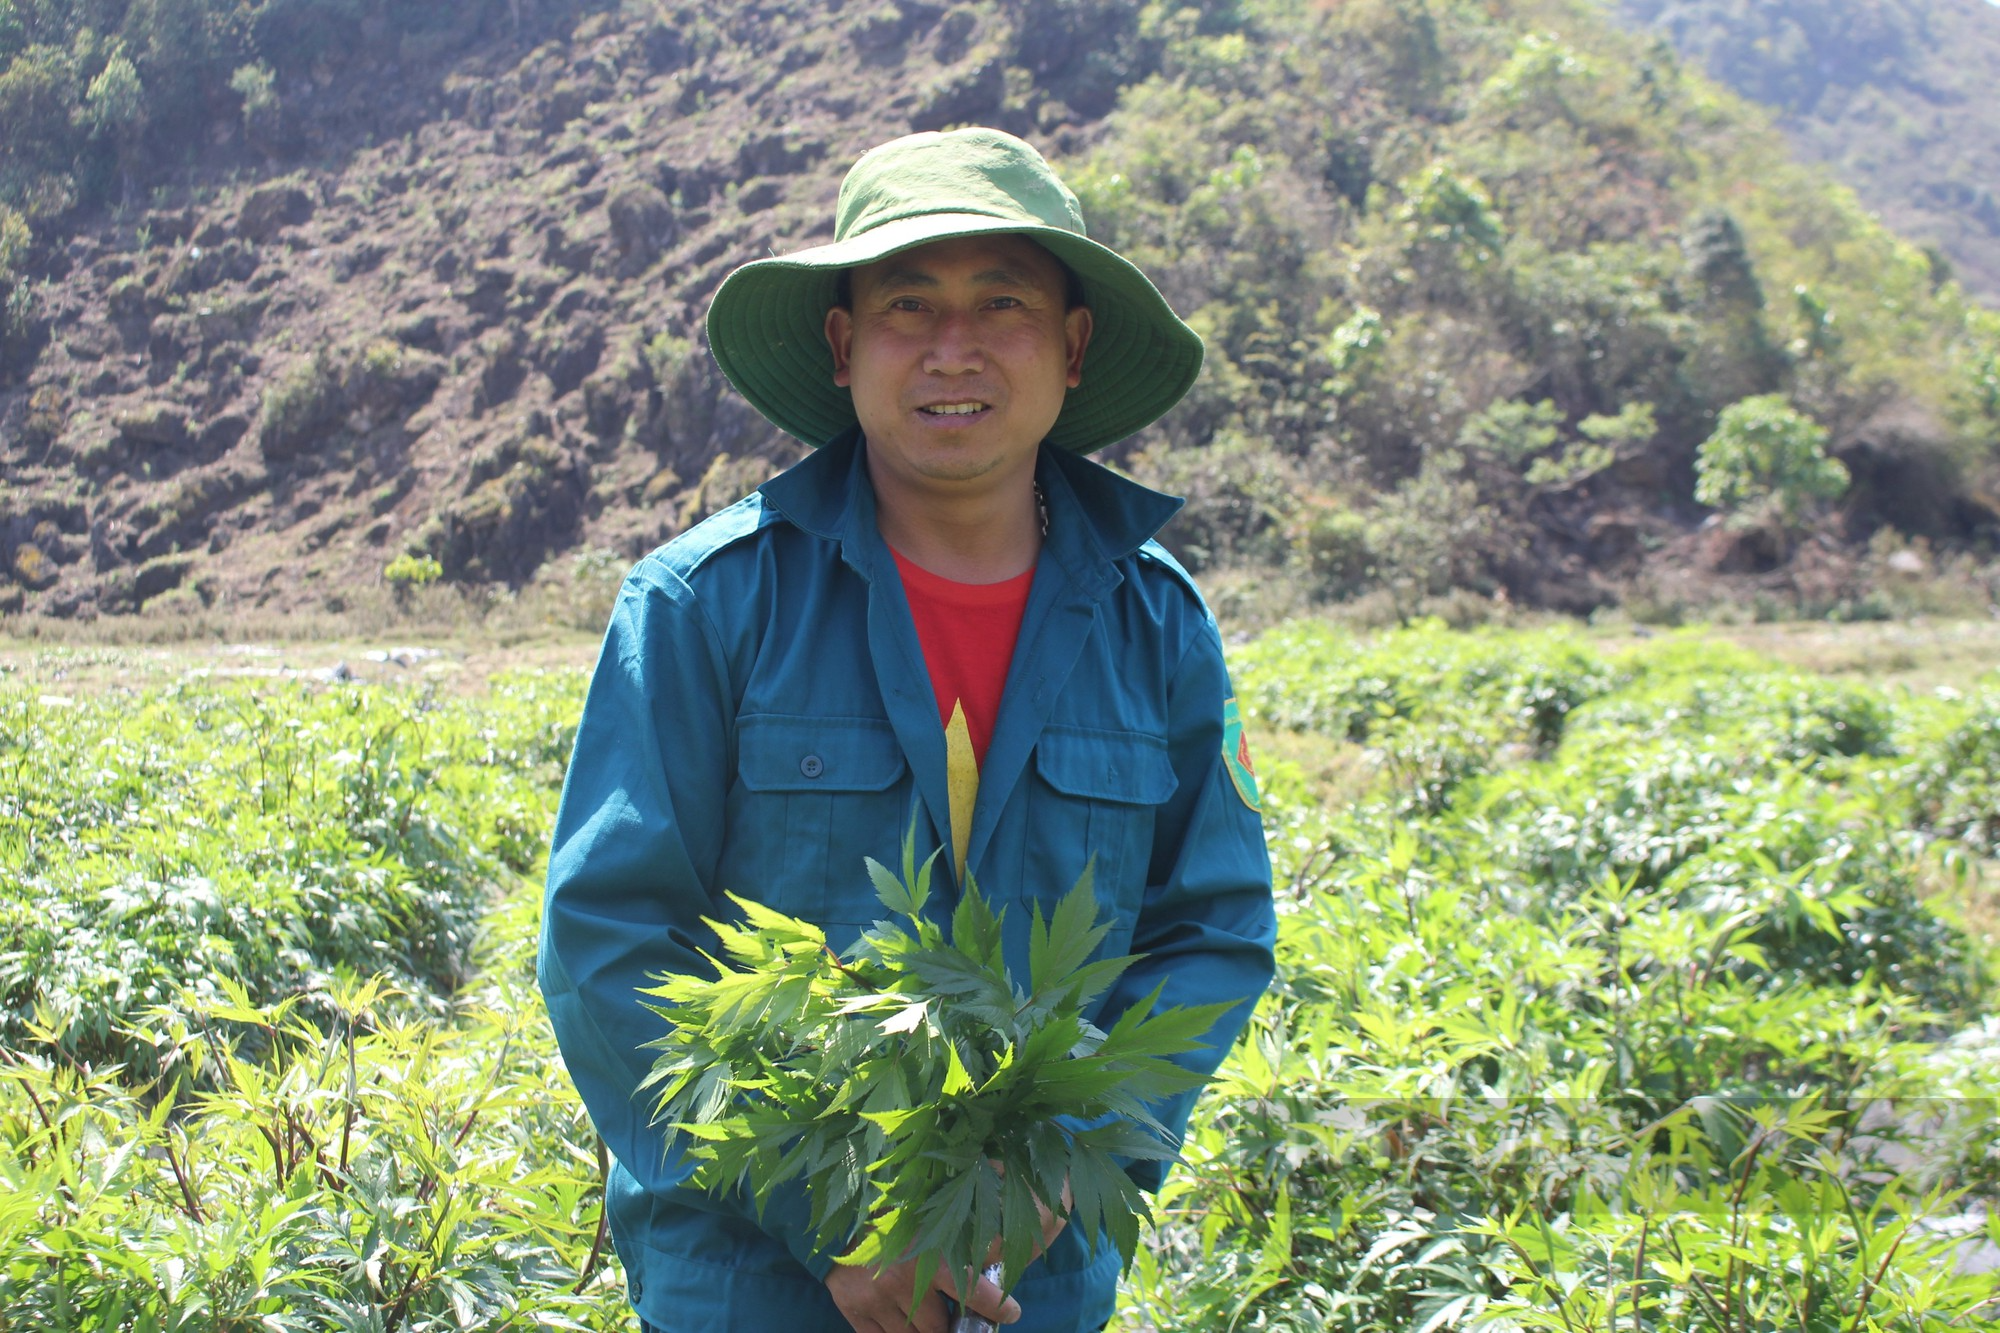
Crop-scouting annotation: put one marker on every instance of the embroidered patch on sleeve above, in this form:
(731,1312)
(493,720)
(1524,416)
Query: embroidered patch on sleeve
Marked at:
(1236,756)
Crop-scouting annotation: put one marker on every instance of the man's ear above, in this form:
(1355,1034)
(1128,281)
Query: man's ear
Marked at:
(840,337)
(1076,337)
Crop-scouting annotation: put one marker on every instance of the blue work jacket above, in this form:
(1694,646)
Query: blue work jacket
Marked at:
(760,720)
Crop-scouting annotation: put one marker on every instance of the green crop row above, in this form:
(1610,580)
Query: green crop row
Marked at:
(367,1168)
(1617,990)
(272,1053)
(1620,999)
(160,843)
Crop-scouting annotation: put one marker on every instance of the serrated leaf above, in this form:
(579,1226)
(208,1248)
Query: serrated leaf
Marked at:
(907,1019)
(1057,949)
(887,1082)
(899,896)
(956,1080)
(890,1122)
(1123,1138)
(976,932)
(1020,1227)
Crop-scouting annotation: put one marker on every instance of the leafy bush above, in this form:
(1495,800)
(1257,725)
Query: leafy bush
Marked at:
(1766,462)
(1612,985)
(1241,495)
(412,571)
(303,401)
(1636,1020)
(1331,547)
(208,1117)
(15,238)
(17,298)
(1955,779)
(262,109)
(115,101)
(360,1170)
(272,840)
(1606,438)
(1434,533)
(1313,677)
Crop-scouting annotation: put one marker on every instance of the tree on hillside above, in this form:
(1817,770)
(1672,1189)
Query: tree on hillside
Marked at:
(114,107)
(1766,465)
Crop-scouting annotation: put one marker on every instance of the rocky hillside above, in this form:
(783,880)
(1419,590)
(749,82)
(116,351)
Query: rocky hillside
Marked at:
(458,316)
(1474,293)
(1900,97)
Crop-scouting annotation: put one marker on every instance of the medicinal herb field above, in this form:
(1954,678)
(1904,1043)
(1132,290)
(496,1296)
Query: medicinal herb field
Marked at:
(273,1057)
(1618,989)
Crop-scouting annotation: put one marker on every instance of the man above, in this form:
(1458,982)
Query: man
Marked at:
(945,609)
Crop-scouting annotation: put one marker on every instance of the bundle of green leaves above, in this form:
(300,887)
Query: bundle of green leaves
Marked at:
(926,1101)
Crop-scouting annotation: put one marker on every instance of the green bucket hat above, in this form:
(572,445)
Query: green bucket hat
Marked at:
(766,325)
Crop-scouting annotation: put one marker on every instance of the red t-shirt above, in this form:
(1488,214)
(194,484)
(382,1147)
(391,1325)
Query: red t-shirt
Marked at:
(967,631)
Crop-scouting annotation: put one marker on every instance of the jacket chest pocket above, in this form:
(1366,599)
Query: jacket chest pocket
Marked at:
(813,796)
(1095,797)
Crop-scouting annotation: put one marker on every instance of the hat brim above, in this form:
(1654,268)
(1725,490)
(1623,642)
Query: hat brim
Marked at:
(767,330)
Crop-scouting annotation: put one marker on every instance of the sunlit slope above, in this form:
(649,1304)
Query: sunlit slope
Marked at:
(1900,98)
(1477,282)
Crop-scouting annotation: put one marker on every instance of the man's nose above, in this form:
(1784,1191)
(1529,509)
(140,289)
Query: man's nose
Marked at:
(955,345)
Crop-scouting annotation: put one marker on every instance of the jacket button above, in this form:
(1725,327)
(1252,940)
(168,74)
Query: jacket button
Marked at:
(811,766)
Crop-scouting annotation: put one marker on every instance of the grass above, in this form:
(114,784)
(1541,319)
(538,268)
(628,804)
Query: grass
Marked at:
(541,627)
(1920,655)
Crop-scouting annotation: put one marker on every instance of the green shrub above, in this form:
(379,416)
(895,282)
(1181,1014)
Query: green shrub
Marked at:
(272,838)
(1767,463)
(115,102)
(1511,431)
(1596,951)
(1954,779)
(1240,495)
(1330,548)
(1354,350)
(1774,1238)
(1605,439)
(412,571)
(1433,533)
(1449,218)
(257,86)
(15,238)
(1309,676)
(1596,1023)
(302,404)
(362,1170)
(17,299)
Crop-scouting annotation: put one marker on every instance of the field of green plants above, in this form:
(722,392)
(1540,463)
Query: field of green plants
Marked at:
(1640,987)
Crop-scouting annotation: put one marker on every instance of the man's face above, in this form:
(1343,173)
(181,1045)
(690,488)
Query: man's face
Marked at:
(958,354)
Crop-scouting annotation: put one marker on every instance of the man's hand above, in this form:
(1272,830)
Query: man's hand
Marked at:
(878,1300)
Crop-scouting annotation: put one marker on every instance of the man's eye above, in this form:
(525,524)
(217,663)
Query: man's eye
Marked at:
(906,303)
(1006,302)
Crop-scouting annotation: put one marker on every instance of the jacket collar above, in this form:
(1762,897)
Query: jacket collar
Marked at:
(1095,515)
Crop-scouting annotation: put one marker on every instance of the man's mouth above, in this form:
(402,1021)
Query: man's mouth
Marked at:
(952,409)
